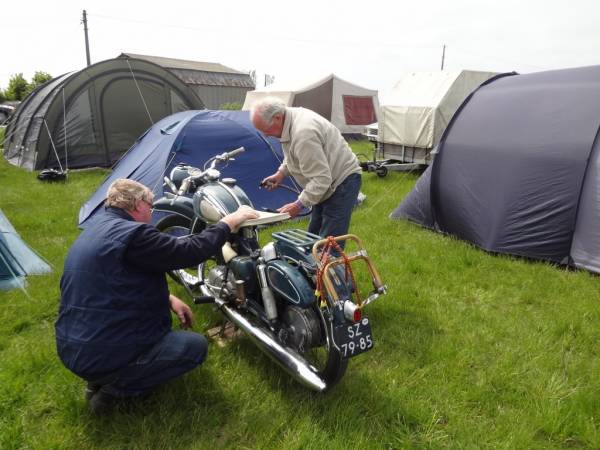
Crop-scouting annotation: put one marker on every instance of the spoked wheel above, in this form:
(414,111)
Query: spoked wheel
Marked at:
(189,278)
(311,335)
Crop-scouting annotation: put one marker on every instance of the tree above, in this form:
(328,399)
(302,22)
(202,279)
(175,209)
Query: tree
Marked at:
(231,106)
(17,87)
(39,78)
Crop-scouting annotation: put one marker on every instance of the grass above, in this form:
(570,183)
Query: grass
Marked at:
(471,350)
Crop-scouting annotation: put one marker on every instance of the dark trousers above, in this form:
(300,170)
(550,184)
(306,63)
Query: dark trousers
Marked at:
(332,217)
(175,354)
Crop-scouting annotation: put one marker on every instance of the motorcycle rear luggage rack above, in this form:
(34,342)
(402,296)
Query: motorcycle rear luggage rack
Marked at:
(297,237)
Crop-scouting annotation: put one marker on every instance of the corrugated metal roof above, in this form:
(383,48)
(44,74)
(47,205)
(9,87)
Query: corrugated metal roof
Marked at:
(195,77)
(172,63)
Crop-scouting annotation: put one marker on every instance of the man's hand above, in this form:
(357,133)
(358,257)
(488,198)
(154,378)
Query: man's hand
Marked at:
(234,220)
(183,312)
(273,181)
(293,209)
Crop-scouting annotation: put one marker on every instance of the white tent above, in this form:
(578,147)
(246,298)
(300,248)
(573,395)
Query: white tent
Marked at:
(348,106)
(419,110)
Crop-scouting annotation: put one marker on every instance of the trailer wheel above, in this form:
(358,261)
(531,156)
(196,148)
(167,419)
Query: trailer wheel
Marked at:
(381,171)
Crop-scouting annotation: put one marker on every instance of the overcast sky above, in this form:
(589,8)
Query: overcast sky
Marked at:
(369,42)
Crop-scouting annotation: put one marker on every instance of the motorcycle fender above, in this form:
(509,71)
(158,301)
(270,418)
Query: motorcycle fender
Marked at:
(181,206)
(289,284)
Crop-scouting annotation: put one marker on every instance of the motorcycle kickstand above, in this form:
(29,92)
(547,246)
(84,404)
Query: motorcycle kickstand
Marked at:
(224,333)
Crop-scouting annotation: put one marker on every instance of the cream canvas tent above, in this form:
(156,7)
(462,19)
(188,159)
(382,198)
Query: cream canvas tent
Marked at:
(348,106)
(419,110)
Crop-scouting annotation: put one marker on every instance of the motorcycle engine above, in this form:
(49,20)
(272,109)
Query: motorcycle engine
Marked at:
(216,281)
(301,328)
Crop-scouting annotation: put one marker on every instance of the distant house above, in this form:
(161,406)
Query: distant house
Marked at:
(214,83)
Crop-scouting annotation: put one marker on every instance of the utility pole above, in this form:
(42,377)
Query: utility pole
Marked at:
(87,44)
(443,55)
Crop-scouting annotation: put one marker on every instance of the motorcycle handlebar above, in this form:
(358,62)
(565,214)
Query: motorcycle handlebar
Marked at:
(185,184)
(235,152)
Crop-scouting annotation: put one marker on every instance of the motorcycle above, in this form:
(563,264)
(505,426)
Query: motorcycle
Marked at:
(296,297)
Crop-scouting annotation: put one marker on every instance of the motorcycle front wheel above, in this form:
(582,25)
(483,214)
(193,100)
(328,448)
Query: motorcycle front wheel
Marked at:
(189,278)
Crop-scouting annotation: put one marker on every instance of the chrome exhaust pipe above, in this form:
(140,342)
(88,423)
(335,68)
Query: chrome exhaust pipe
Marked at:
(287,358)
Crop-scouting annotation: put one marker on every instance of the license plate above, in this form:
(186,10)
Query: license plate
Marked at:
(354,339)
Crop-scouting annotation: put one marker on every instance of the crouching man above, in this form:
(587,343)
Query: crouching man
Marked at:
(114,324)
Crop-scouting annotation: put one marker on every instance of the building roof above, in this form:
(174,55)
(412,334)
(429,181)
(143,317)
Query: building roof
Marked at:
(172,63)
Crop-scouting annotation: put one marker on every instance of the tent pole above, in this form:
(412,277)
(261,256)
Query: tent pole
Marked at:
(65,129)
(140,91)
(53,147)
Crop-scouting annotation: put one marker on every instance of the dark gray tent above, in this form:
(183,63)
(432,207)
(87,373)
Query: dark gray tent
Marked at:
(107,106)
(518,169)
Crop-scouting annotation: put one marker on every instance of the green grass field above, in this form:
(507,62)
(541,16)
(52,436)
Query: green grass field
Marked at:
(471,351)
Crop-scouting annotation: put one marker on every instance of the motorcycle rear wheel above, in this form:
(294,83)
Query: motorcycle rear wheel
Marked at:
(326,358)
(189,278)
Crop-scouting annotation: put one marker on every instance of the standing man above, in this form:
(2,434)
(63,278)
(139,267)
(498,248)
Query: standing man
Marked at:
(318,157)
(114,324)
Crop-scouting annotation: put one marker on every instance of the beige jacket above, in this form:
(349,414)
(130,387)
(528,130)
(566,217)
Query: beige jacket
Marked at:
(315,154)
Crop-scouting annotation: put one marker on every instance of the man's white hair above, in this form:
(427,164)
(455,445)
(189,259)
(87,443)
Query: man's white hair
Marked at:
(124,194)
(266,108)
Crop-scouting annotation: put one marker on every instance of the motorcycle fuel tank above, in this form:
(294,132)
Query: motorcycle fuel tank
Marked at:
(213,201)
(289,284)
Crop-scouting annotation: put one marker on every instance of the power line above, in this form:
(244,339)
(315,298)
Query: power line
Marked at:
(321,42)
(269,36)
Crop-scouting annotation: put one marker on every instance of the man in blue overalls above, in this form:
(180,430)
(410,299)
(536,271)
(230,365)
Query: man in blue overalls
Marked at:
(114,324)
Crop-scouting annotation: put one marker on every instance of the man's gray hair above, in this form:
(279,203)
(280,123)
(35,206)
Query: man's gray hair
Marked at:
(266,108)
(124,194)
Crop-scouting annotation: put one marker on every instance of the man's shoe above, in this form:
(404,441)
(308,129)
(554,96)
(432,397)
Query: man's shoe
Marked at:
(102,403)
(91,390)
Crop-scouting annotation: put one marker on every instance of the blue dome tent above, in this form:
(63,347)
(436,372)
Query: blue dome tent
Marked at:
(192,137)
(17,259)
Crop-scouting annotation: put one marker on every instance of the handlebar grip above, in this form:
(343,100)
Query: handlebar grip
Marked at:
(185,184)
(235,152)
(171,185)
(203,299)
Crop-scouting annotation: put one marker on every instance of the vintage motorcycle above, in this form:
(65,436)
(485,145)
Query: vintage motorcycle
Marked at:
(296,297)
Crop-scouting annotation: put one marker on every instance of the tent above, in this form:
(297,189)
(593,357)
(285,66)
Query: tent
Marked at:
(420,107)
(17,260)
(518,169)
(91,117)
(348,106)
(192,137)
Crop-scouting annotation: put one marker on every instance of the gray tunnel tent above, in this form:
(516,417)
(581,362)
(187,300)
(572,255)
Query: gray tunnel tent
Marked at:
(107,106)
(518,169)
